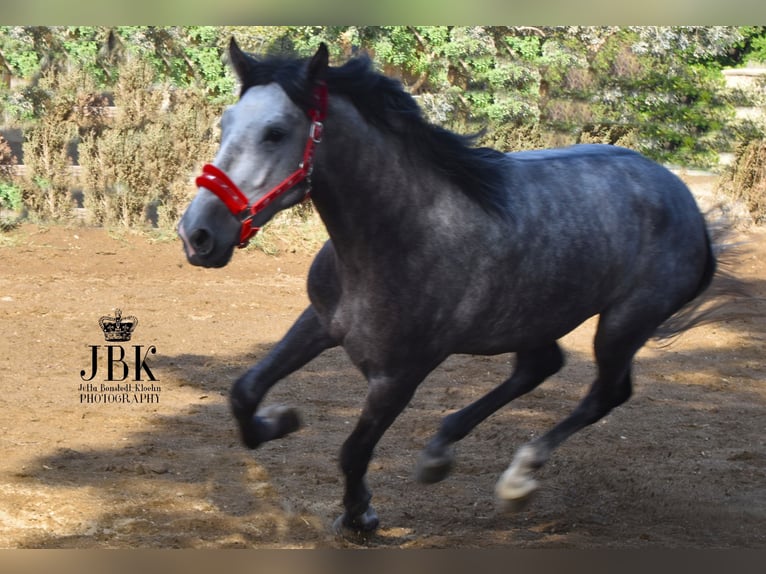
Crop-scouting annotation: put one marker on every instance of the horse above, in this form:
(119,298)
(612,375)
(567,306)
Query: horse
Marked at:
(438,246)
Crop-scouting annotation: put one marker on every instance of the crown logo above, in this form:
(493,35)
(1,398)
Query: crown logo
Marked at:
(118,328)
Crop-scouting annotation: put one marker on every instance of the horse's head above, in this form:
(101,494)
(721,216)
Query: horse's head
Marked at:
(263,164)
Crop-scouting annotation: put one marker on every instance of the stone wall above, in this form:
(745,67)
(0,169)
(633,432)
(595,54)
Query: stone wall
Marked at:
(749,85)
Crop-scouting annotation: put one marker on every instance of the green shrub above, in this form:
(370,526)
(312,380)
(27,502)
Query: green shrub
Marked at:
(10,196)
(10,199)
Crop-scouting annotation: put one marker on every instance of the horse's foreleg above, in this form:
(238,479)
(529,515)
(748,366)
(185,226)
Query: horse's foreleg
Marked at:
(304,341)
(385,401)
(532,368)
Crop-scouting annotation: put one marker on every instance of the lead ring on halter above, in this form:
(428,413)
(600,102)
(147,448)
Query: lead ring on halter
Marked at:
(216,180)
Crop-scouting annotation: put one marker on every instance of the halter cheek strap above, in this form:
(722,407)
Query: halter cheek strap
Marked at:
(236,202)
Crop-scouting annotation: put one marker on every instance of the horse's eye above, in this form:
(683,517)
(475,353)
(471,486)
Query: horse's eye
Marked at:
(274,135)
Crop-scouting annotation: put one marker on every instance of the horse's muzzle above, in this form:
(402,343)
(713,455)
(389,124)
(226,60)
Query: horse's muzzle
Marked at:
(201,248)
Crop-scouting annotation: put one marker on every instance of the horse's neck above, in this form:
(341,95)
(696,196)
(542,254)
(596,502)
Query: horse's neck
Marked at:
(366,189)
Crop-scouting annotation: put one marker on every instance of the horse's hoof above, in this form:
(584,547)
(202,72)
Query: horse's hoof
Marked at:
(249,432)
(513,495)
(280,420)
(270,423)
(431,469)
(514,505)
(359,528)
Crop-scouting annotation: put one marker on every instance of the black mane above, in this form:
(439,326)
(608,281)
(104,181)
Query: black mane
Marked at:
(477,171)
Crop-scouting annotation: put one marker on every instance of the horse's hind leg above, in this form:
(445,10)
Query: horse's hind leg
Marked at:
(532,368)
(615,348)
(304,341)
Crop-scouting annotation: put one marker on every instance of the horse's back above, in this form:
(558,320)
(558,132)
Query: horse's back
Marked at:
(590,227)
(603,188)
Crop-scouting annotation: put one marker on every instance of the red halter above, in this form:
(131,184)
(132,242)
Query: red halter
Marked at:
(218,182)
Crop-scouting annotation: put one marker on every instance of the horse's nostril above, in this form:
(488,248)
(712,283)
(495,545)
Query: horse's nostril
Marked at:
(202,242)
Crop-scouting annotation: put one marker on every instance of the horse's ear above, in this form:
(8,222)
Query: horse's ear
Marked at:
(240,61)
(318,64)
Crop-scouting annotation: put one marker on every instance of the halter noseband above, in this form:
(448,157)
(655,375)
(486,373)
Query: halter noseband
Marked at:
(220,184)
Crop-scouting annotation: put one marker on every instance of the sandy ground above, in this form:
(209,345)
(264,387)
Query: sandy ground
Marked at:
(682,465)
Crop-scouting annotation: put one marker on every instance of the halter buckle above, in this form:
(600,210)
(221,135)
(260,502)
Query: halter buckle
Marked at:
(316,131)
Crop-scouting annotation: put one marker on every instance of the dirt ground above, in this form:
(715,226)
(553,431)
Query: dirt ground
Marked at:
(682,465)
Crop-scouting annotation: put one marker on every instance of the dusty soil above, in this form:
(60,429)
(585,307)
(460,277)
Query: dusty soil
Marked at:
(683,464)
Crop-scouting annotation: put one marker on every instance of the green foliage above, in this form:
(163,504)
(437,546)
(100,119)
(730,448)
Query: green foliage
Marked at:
(657,89)
(17,51)
(183,56)
(661,84)
(523,137)
(669,93)
(758,49)
(680,112)
(204,53)
(10,196)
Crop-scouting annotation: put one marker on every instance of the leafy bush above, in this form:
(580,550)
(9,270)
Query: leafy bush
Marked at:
(10,199)
(512,138)
(612,134)
(657,89)
(10,196)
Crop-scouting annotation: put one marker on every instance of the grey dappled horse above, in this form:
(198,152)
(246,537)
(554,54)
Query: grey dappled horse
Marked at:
(438,247)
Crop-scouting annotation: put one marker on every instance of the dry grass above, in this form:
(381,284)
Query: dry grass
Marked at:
(745,181)
(297,230)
